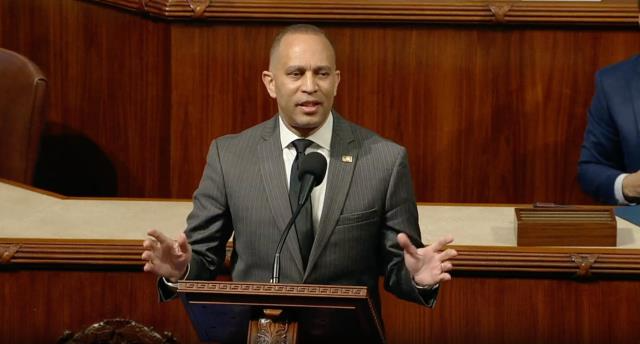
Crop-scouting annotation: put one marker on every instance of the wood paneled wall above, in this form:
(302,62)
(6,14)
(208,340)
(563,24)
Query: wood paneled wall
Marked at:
(108,75)
(38,305)
(497,295)
(488,113)
(481,309)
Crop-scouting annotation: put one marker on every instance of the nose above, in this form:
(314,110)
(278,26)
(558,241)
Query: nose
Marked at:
(309,83)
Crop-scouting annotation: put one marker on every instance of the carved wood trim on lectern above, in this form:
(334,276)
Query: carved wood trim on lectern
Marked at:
(267,289)
(271,332)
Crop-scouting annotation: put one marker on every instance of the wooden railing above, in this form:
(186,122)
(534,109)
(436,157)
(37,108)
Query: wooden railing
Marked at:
(488,12)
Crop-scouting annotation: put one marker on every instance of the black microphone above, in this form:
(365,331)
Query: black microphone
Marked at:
(312,168)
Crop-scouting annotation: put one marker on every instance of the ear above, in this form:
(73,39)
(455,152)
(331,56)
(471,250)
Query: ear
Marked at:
(269,83)
(335,89)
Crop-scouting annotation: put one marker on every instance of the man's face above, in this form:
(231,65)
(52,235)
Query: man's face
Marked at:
(303,79)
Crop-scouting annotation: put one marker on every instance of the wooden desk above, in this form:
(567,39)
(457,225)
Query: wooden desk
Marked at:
(68,263)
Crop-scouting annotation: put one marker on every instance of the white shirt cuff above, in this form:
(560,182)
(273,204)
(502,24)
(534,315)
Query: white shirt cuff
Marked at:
(175,285)
(425,287)
(617,189)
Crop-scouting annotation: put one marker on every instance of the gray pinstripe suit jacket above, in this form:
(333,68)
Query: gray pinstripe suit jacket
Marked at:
(367,202)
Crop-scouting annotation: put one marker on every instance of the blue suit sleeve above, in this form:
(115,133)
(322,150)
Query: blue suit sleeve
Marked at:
(601,158)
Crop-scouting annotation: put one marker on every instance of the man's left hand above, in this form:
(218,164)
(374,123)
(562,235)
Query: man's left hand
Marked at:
(428,265)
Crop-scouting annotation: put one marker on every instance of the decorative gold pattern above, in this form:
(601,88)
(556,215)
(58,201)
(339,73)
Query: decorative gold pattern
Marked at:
(272,332)
(281,289)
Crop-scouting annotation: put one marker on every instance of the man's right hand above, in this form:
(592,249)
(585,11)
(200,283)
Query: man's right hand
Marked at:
(166,257)
(631,187)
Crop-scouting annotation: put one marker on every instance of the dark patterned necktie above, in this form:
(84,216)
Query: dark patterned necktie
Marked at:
(304,222)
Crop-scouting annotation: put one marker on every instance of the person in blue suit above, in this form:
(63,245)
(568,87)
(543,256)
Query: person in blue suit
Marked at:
(609,163)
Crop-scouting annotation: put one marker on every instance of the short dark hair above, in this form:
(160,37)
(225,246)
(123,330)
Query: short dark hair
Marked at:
(297,28)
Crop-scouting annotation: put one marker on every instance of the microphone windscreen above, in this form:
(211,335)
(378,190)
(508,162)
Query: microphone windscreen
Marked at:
(315,164)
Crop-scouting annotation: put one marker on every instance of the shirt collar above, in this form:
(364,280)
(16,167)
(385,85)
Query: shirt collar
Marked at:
(321,137)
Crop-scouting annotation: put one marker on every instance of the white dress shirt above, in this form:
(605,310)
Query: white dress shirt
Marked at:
(321,144)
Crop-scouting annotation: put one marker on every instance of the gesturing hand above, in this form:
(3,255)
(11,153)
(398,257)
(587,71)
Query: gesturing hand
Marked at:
(166,257)
(428,265)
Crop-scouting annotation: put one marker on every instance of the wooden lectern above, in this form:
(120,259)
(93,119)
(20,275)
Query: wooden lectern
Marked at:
(236,312)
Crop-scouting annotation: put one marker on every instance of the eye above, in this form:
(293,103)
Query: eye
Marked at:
(323,73)
(295,74)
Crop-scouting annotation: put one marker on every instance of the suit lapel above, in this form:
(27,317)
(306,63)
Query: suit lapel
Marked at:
(339,177)
(274,180)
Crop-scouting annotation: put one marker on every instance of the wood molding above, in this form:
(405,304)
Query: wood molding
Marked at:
(498,12)
(63,197)
(568,260)
(73,252)
(581,262)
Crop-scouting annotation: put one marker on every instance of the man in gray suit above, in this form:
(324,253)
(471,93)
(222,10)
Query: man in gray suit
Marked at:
(364,215)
